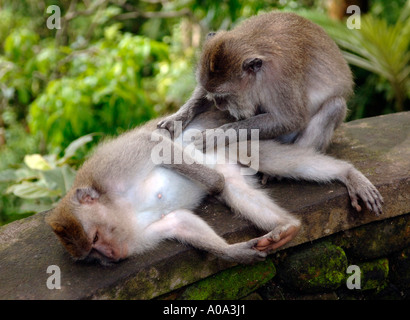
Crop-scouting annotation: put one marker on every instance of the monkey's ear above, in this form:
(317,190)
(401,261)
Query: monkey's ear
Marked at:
(210,35)
(252,64)
(87,195)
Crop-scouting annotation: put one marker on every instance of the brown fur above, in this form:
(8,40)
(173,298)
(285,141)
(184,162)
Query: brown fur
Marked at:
(69,230)
(122,203)
(294,90)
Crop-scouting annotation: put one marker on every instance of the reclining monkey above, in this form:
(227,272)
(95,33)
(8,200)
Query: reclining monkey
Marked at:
(122,203)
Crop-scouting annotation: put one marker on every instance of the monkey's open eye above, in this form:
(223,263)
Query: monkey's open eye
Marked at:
(95,237)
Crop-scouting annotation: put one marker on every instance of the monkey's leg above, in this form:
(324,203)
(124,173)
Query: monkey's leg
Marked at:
(185,226)
(256,206)
(304,163)
(320,128)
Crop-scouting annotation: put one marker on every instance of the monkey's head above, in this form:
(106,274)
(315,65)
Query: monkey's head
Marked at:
(89,227)
(228,70)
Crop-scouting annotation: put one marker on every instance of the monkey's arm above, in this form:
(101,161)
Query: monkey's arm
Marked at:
(211,179)
(184,164)
(197,104)
(265,124)
(269,127)
(188,228)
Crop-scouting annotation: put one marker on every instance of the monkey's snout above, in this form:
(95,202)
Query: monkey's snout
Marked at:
(96,256)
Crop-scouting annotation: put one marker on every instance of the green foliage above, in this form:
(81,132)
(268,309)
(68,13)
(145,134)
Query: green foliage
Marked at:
(104,89)
(221,15)
(19,141)
(388,10)
(175,79)
(384,50)
(381,48)
(9,21)
(17,68)
(41,180)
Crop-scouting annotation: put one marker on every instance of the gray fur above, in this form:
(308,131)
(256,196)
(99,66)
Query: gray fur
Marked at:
(128,204)
(301,87)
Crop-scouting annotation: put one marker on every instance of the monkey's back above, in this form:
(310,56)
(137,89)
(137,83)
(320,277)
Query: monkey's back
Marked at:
(283,30)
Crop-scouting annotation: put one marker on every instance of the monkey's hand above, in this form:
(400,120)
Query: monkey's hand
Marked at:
(211,138)
(200,141)
(359,186)
(174,124)
(244,252)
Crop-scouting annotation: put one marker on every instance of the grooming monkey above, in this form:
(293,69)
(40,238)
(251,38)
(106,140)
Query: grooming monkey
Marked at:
(276,72)
(122,203)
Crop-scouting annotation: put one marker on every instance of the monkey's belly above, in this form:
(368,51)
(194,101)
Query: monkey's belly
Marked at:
(165,191)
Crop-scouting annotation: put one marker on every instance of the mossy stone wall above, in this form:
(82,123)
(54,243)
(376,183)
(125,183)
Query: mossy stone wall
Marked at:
(319,270)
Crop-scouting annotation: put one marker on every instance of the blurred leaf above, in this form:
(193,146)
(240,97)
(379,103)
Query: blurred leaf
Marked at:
(73,146)
(25,173)
(32,190)
(34,206)
(69,175)
(8,175)
(60,178)
(36,162)
(112,31)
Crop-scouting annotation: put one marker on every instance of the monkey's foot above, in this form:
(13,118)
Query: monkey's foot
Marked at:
(359,187)
(277,238)
(244,252)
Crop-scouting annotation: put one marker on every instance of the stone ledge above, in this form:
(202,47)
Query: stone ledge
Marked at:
(379,147)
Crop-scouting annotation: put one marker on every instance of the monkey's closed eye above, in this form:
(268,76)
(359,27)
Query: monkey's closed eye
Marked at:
(95,237)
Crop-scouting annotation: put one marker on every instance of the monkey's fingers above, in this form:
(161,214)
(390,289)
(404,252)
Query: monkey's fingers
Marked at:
(373,200)
(268,245)
(167,125)
(163,124)
(263,244)
(370,197)
(355,203)
(274,240)
(205,141)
